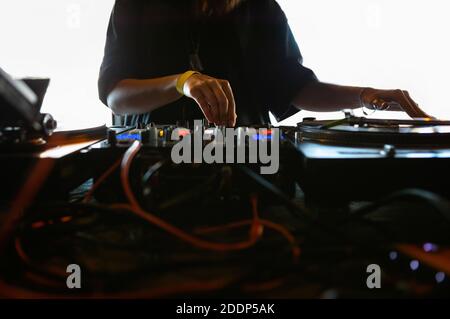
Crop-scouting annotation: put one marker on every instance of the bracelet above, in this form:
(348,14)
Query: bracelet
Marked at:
(380,104)
(182,80)
(363,107)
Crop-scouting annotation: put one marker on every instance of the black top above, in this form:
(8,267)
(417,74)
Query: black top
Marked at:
(252,47)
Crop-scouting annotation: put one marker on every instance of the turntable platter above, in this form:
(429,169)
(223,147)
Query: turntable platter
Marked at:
(362,131)
(69,135)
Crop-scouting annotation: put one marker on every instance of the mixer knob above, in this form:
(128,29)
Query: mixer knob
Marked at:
(145,136)
(48,124)
(389,151)
(153,134)
(112,137)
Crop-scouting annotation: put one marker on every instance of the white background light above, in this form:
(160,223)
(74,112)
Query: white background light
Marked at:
(63,40)
(378,43)
(386,44)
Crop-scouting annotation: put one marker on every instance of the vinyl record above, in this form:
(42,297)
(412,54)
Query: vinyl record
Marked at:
(362,131)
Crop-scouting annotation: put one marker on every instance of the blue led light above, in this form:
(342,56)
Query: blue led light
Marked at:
(440,277)
(258,137)
(129,136)
(414,265)
(429,247)
(393,255)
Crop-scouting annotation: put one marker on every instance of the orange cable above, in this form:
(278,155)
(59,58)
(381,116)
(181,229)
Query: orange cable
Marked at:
(296,251)
(25,196)
(102,178)
(175,231)
(10,291)
(256,231)
(40,172)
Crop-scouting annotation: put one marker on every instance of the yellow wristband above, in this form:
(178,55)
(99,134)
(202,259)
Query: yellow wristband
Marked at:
(182,80)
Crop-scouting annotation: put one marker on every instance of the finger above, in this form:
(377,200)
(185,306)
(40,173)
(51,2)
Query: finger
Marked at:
(222,99)
(397,96)
(415,110)
(419,111)
(212,101)
(231,120)
(204,106)
(411,108)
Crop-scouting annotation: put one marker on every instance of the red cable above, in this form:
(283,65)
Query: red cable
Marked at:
(296,251)
(10,291)
(25,196)
(256,229)
(175,231)
(102,178)
(255,233)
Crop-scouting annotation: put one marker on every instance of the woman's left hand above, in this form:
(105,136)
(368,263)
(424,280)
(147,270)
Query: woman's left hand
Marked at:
(392,100)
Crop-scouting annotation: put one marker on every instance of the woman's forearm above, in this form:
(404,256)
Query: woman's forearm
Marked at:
(324,97)
(132,96)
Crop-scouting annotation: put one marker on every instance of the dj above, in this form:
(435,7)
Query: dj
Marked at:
(231,61)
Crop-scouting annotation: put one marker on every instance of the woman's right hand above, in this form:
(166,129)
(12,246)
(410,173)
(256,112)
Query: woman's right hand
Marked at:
(214,97)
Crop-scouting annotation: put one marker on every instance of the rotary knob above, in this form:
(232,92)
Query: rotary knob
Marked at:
(48,124)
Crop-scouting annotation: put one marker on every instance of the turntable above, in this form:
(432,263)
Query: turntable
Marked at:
(28,136)
(363,131)
(362,158)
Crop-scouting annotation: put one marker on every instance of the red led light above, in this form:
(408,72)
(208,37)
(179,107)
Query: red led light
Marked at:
(266,132)
(66,219)
(38,225)
(184,133)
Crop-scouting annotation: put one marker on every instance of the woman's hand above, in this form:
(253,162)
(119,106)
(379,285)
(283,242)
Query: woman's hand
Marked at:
(392,100)
(214,97)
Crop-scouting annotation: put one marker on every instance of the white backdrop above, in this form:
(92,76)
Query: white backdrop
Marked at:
(380,43)
(63,40)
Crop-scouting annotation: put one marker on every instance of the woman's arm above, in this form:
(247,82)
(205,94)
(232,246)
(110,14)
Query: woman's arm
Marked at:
(324,97)
(213,96)
(131,96)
